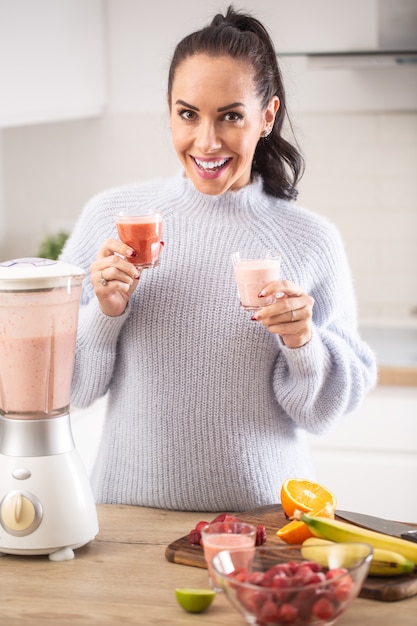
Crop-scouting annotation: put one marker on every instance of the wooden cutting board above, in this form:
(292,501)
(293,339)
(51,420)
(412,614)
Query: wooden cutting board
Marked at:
(387,589)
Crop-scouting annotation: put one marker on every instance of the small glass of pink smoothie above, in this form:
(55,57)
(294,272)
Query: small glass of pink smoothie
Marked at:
(237,536)
(253,272)
(143,234)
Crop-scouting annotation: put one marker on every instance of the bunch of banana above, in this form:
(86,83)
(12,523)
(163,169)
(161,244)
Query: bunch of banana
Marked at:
(392,555)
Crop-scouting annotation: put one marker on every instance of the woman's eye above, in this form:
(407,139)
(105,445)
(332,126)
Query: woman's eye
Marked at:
(187,115)
(231,116)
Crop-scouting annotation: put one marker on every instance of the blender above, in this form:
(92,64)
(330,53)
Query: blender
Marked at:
(46,501)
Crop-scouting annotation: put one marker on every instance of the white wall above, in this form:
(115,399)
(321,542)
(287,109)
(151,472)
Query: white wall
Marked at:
(51,60)
(361,172)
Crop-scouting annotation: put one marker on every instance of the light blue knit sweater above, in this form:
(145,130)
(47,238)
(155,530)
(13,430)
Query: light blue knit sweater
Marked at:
(206,409)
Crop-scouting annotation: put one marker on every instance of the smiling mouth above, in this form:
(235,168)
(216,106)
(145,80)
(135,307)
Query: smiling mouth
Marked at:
(211,166)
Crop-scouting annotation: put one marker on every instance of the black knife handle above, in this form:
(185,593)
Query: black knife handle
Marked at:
(410,535)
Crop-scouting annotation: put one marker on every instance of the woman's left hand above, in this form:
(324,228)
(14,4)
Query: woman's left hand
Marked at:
(290,315)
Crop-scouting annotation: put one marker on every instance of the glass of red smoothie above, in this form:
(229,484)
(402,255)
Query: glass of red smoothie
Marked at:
(143,234)
(252,273)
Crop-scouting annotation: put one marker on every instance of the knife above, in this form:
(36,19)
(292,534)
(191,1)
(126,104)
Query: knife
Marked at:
(388,527)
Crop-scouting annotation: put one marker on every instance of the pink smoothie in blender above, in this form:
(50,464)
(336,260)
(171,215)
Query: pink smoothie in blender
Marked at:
(37,354)
(37,351)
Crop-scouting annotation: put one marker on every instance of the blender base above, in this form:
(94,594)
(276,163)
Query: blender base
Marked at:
(59,488)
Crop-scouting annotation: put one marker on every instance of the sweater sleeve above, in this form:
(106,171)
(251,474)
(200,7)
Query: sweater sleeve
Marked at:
(95,353)
(328,377)
(97,336)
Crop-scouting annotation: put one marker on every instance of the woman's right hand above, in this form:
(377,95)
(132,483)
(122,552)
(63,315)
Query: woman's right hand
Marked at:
(114,279)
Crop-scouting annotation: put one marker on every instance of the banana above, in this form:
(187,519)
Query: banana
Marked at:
(388,563)
(338,531)
(384,562)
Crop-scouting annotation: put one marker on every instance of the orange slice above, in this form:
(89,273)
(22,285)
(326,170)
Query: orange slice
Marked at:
(304,495)
(297,532)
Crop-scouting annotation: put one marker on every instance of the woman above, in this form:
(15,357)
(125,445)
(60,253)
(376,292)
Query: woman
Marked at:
(207,406)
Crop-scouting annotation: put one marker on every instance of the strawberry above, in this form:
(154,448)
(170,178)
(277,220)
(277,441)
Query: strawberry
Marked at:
(288,613)
(269,612)
(323,609)
(194,537)
(260,535)
(225,517)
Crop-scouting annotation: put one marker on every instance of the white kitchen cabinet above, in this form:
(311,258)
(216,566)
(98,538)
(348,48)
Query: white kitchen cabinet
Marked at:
(52,61)
(347,83)
(87,426)
(370,460)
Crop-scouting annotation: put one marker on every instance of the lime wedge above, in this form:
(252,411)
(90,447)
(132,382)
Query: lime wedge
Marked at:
(194,600)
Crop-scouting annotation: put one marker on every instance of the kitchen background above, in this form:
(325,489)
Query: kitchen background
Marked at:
(82,108)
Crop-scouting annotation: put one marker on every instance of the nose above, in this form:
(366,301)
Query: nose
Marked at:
(207,139)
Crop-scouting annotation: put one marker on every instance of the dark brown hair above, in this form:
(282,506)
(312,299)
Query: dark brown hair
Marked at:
(243,37)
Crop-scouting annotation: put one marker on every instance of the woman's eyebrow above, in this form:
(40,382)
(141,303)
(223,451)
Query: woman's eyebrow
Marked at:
(185,104)
(230,106)
(233,105)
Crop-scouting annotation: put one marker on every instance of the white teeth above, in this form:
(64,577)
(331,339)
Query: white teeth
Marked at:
(210,165)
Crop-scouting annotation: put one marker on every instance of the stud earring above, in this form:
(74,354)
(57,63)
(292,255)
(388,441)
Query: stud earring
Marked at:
(266,133)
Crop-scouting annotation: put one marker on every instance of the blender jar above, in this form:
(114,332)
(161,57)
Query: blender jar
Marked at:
(39,304)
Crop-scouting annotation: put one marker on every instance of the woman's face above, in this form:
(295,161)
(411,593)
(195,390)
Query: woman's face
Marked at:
(217,121)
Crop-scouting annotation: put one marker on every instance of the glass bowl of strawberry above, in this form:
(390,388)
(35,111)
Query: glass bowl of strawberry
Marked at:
(295,585)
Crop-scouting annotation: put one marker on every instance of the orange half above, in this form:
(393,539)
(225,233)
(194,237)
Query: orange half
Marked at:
(304,495)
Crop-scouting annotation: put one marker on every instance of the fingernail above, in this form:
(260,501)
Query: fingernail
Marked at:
(131,253)
(254,318)
(261,294)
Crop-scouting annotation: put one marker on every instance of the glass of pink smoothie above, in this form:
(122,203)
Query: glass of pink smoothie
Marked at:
(143,234)
(253,272)
(237,536)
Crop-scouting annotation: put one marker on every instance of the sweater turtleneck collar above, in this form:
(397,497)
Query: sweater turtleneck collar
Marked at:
(242,203)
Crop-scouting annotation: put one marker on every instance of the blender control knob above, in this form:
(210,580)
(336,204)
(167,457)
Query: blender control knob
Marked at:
(20,513)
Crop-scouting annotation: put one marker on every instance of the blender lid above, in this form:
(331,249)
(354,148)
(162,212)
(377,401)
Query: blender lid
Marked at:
(37,273)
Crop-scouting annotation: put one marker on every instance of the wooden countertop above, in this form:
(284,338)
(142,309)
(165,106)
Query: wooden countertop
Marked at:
(123,577)
(396,375)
